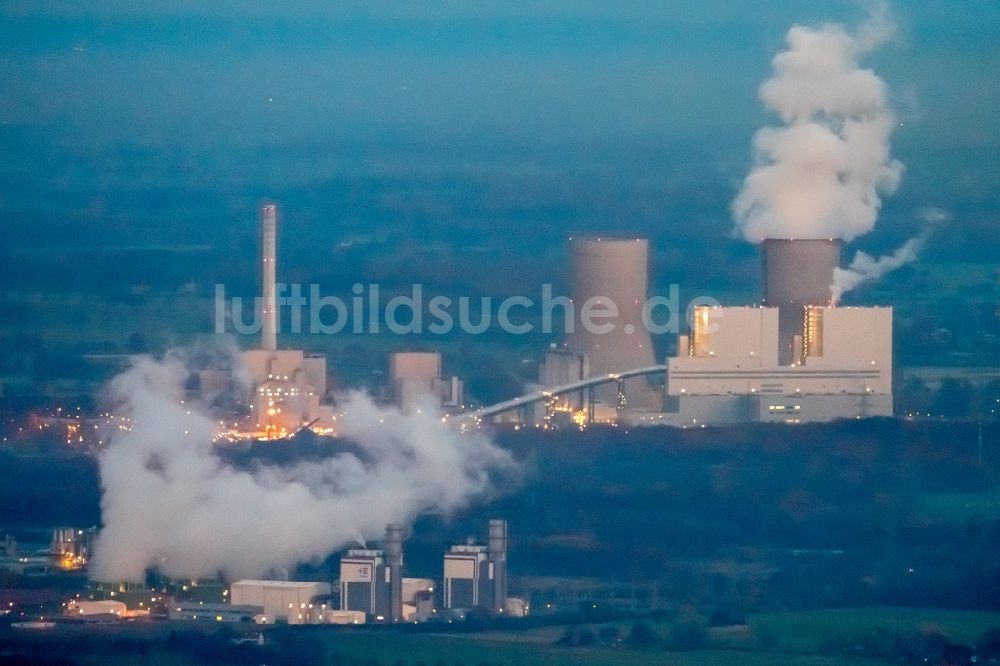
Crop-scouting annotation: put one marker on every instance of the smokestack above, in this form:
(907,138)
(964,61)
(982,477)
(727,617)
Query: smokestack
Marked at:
(268,258)
(394,560)
(613,273)
(497,551)
(797,273)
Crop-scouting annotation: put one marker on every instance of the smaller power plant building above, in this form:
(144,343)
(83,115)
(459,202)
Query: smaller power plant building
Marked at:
(371,581)
(475,576)
(290,600)
(364,583)
(416,376)
(467,579)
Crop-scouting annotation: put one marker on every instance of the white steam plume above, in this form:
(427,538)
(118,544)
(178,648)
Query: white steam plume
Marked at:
(866,268)
(822,173)
(172,503)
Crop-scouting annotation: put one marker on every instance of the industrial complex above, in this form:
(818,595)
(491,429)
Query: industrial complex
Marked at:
(796,357)
(371,588)
(793,357)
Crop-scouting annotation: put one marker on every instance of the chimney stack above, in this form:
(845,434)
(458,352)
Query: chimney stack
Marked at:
(497,552)
(394,561)
(268,258)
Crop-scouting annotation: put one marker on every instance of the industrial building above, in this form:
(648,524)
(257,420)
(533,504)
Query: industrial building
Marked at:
(475,576)
(415,377)
(559,367)
(610,275)
(285,389)
(292,601)
(83,607)
(70,547)
(467,580)
(371,581)
(217,612)
(795,360)
(287,385)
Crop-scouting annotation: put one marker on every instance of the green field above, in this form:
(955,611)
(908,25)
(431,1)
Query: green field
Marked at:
(798,640)
(961,507)
(806,632)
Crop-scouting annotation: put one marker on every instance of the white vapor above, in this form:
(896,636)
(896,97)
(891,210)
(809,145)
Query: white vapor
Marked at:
(170,502)
(821,175)
(866,268)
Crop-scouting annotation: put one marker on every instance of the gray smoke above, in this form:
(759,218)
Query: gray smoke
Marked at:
(866,268)
(170,502)
(821,175)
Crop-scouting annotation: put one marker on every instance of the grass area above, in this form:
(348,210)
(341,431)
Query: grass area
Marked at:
(961,507)
(798,637)
(807,631)
(473,650)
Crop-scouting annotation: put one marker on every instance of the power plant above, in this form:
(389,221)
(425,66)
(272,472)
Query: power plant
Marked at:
(797,357)
(287,388)
(475,576)
(794,360)
(373,587)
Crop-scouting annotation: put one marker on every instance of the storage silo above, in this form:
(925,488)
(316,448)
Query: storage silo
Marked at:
(605,273)
(797,273)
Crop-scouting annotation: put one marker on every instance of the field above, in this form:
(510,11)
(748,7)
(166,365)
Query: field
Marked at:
(806,632)
(798,640)
(961,507)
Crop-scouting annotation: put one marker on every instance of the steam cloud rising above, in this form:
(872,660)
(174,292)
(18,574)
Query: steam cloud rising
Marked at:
(821,174)
(866,268)
(172,503)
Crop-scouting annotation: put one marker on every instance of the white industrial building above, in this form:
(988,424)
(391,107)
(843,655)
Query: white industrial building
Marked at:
(796,359)
(78,607)
(728,369)
(287,600)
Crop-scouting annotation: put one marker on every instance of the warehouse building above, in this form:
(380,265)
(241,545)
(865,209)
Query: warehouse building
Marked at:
(291,601)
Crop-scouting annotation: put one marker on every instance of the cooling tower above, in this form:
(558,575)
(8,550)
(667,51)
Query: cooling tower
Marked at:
(268,259)
(394,560)
(613,271)
(497,553)
(797,273)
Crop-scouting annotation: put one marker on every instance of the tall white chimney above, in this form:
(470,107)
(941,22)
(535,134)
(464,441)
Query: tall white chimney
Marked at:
(268,257)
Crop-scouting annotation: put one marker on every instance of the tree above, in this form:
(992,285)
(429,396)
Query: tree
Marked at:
(642,635)
(953,399)
(689,636)
(988,645)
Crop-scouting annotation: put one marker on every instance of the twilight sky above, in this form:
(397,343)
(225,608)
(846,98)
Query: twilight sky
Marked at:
(147,122)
